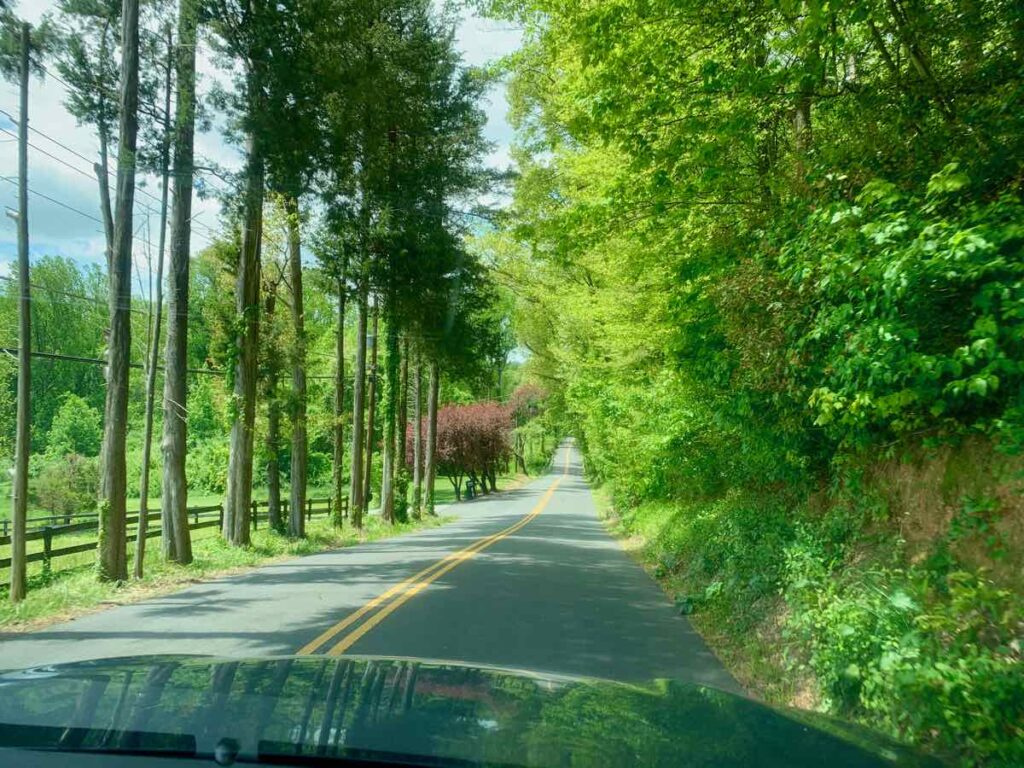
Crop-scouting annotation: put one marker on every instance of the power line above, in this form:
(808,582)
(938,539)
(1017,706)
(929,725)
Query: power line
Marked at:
(101,361)
(94,299)
(211,233)
(55,201)
(101,302)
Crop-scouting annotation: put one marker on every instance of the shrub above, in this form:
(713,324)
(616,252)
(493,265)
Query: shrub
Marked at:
(68,486)
(206,466)
(77,428)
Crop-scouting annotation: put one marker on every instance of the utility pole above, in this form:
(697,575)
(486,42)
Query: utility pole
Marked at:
(21,445)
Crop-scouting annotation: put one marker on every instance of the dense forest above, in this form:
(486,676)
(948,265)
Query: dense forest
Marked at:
(768,260)
(334,333)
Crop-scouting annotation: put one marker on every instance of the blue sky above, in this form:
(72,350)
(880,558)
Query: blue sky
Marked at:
(67,176)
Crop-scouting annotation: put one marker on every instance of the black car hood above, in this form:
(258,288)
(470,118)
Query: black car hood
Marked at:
(410,711)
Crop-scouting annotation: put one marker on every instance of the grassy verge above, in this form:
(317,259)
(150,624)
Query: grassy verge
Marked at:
(76,591)
(818,606)
(746,636)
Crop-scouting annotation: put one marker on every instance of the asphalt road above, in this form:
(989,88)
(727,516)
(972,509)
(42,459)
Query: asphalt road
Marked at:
(527,579)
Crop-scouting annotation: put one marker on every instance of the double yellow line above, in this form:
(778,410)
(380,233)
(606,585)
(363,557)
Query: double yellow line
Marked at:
(403,592)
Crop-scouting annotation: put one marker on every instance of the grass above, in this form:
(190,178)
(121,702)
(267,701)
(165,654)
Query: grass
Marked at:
(76,591)
(747,643)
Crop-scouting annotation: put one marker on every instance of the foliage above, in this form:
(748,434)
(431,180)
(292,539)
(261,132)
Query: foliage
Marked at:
(751,250)
(76,428)
(206,465)
(68,486)
(472,440)
(924,660)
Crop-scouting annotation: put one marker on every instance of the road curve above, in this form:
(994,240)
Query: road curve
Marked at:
(527,579)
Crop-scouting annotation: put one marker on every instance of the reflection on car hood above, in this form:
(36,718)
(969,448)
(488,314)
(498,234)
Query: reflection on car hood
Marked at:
(411,711)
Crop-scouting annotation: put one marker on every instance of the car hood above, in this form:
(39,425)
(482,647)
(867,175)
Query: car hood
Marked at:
(410,711)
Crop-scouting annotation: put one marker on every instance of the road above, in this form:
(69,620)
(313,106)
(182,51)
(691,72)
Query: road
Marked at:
(527,579)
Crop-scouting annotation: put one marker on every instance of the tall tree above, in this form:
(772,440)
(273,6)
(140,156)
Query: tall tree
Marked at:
(88,37)
(371,406)
(417,438)
(271,365)
(157,312)
(247,289)
(175,537)
(22,441)
(356,498)
(389,458)
(338,470)
(430,460)
(300,440)
(113,482)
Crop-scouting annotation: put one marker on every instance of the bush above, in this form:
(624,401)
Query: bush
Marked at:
(206,466)
(936,666)
(77,428)
(69,485)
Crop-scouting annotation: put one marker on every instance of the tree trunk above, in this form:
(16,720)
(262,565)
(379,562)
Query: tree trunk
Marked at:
(273,440)
(176,538)
(358,395)
(339,409)
(430,470)
(402,421)
(387,483)
(22,444)
(154,349)
(274,519)
(300,443)
(113,561)
(237,505)
(102,170)
(417,439)
(371,407)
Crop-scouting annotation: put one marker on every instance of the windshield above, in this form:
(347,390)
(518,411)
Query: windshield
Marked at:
(513,381)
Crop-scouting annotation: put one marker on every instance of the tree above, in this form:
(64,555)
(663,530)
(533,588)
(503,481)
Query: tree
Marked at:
(88,37)
(164,167)
(113,485)
(22,438)
(430,450)
(76,428)
(270,372)
(300,444)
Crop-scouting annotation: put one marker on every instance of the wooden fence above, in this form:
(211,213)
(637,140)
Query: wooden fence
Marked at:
(199,517)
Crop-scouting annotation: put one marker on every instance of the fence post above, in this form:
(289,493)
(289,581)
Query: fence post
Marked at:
(220,509)
(47,548)
(195,515)
(344,508)
(254,508)
(309,510)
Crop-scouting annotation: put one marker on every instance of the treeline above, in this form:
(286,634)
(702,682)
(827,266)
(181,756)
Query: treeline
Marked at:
(360,134)
(769,257)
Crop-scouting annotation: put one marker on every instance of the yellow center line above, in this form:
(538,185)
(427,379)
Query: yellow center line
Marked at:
(419,581)
(346,642)
(348,621)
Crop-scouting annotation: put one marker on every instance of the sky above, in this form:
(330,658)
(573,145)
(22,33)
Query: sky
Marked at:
(60,161)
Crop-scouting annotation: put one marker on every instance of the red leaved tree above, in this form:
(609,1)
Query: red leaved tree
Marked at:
(472,441)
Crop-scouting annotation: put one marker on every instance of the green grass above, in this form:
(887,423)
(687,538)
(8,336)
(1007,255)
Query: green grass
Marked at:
(75,591)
